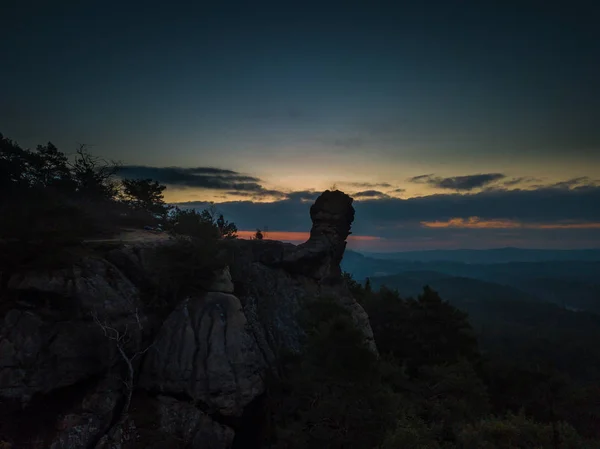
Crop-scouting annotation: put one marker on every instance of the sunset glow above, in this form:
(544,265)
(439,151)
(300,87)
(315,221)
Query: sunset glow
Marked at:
(300,237)
(477,223)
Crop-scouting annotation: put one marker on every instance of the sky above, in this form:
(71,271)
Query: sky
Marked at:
(453,124)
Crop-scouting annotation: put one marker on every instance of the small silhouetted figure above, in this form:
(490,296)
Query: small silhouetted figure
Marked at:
(258,235)
(220,224)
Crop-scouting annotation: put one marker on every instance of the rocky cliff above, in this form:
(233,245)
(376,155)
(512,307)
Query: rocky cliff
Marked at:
(86,363)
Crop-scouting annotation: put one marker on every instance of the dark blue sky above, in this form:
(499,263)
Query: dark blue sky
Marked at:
(303,94)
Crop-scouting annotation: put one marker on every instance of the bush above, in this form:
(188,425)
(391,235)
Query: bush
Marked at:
(410,432)
(518,432)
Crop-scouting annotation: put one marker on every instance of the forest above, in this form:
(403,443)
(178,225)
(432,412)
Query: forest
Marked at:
(433,386)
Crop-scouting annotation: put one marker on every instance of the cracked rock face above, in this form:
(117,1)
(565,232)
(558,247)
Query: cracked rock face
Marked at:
(205,351)
(48,339)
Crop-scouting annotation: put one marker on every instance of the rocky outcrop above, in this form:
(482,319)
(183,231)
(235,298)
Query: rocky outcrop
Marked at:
(205,352)
(201,366)
(274,279)
(332,216)
(319,257)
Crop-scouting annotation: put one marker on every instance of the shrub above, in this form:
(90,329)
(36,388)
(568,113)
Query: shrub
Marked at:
(518,432)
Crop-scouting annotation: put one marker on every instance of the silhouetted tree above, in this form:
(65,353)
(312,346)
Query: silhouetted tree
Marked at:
(94,177)
(145,195)
(368,285)
(189,222)
(227,230)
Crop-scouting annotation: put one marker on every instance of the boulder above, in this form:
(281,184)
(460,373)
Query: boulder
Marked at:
(206,352)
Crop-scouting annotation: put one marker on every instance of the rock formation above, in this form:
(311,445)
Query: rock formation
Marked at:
(273,279)
(201,367)
(205,352)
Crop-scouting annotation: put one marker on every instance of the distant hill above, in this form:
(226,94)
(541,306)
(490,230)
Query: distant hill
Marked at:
(497,255)
(450,288)
(572,284)
(362,266)
(513,324)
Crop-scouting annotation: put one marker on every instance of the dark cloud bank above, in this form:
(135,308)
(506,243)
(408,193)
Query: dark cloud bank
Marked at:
(390,217)
(379,214)
(229,181)
(459,183)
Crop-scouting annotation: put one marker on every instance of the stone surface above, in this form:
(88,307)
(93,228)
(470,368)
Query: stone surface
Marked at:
(82,426)
(193,427)
(205,351)
(48,338)
(222,282)
(165,422)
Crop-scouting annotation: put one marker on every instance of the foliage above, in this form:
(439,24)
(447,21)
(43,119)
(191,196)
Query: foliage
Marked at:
(51,203)
(94,177)
(333,394)
(517,431)
(410,432)
(227,230)
(452,397)
(189,222)
(425,331)
(145,195)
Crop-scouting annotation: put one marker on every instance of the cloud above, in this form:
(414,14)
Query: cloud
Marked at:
(545,217)
(420,178)
(583,181)
(199,177)
(460,183)
(257,194)
(522,180)
(368,185)
(369,194)
(478,223)
(544,205)
(303,195)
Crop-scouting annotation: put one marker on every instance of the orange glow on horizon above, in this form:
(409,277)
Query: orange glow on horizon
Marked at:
(478,223)
(290,236)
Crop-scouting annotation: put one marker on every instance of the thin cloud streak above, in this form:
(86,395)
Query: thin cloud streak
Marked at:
(459,183)
(477,223)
